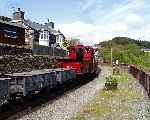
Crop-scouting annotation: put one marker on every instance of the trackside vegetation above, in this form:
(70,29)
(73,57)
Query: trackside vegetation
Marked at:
(126,50)
(115,104)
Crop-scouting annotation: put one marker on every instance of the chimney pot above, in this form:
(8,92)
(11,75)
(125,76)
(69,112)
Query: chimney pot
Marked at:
(19,9)
(18,15)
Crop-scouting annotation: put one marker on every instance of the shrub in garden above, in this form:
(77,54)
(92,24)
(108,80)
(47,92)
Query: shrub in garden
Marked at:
(111,83)
(116,70)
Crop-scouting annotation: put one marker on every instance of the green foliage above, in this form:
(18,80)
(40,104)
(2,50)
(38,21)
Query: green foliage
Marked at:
(74,41)
(127,51)
(116,71)
(125,41)
(111,83)
(6,19)
(113,104)
(66,43)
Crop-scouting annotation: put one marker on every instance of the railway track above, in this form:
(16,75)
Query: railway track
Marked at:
(23,106)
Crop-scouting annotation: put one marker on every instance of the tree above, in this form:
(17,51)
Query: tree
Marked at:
(126,50)
(6,19)
(67,43)
(74,41)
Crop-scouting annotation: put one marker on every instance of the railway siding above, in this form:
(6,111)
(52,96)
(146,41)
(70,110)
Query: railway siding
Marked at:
(71,102)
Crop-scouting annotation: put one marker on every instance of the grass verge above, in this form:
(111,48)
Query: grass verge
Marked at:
(112,104)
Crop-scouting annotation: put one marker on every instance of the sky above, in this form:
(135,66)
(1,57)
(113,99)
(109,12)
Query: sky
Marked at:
(92,21)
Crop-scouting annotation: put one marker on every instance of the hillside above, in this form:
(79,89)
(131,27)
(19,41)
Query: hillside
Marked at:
(126,50)
(125,41)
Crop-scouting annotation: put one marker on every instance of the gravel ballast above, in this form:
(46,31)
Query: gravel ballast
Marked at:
(128,101)
(70,103)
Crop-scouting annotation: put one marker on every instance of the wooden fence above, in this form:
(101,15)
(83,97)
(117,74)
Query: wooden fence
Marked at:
(142,76)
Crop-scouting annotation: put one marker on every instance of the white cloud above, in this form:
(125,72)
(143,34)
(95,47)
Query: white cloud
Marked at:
(118,11)
(122,20)
(87,4)
(132,18)
(76,28)
(90,33)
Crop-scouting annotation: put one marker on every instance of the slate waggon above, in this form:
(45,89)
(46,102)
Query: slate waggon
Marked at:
(19,85)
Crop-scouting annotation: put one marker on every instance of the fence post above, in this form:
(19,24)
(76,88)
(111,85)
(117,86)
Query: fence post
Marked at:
(148,84)
(53,51)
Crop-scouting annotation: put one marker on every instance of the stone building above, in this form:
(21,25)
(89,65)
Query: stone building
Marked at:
(31,34)
(35,33)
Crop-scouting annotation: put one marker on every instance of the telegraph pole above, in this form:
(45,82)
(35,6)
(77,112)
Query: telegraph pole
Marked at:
(53,51)
(111,56)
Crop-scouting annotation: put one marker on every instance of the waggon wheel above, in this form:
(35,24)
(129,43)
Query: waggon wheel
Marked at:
(12,98)
(29,96)
(48,90)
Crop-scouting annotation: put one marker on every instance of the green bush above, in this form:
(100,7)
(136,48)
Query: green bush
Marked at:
(111,83)
(116,71)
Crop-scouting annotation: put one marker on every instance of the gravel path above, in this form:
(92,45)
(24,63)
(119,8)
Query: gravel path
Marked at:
(140,107)
(69,104)
(128,102)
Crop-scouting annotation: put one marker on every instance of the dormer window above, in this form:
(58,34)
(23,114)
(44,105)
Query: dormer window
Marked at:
(41,36)
(44,35)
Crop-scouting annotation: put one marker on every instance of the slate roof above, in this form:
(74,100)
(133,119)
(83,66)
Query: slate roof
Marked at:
(38,26)
(11,23)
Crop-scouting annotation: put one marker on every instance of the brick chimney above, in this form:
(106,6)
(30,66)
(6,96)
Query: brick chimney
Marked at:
(50,24)
(18,15)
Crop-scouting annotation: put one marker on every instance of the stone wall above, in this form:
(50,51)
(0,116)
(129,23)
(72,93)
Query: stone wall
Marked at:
(45,50)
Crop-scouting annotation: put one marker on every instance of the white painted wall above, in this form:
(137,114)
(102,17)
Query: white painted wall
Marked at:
(44,38)
(59,40)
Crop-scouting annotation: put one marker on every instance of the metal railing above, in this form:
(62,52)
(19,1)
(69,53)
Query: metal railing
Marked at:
(142,76)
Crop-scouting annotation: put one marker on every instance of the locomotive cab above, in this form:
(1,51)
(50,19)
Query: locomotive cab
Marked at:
(80,58)
(76,53)
(79,52)
(72,53)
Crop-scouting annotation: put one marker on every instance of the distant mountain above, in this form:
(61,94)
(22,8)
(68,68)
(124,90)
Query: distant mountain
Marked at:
(125,41)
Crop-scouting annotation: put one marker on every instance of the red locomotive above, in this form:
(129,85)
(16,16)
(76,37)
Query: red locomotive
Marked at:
(81,58)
